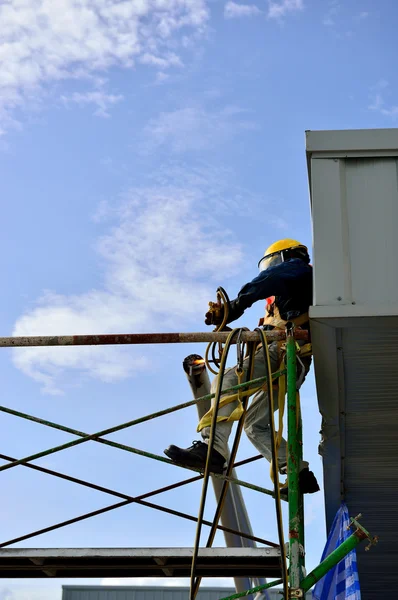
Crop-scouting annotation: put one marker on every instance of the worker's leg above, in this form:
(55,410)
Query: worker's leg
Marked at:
(256,425)
(195,455)
(257,420)
(230,379)
(258,429)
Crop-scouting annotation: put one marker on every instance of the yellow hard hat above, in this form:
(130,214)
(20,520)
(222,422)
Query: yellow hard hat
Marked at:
(273,254)
(286,244)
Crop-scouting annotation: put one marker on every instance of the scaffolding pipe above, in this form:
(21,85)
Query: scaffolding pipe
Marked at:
(140,338)
(234,514)
(323,568)
(293,465)
(336,556)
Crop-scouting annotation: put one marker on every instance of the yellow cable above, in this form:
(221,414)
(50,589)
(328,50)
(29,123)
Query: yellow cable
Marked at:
(231,461)
(206,474)
(278,503)
(236,413)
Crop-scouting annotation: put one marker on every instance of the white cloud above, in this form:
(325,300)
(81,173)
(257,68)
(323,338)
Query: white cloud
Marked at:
(233,10)
(99,98)
(382,84)
(158,251)
(391,111)
(169,60)
(378,103)
(379,106)
(45,41)
(328,21)
(161,77)
(195,128)
(333,10)
(279,222)
(278,10)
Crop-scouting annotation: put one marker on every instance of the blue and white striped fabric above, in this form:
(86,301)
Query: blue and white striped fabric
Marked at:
(341,583)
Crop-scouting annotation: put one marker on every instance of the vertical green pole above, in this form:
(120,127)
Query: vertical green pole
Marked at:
(293,463)
(301,497)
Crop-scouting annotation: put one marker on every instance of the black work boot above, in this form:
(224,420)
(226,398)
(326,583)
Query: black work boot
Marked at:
(195,456)
(307,482)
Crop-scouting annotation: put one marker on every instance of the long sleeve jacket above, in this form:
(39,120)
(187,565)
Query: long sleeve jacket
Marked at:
(289,282)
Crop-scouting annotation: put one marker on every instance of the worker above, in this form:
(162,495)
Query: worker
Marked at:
(285,282)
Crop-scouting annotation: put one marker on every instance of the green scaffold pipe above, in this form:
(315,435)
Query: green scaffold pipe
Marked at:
(321,570)
(333,559)
(301,497)
(85,437)
(97,437)
(293,463)
(259,588)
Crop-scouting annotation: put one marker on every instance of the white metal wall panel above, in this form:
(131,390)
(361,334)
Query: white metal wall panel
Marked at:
(372,221)
(372,141)
(332,284)
(355,220)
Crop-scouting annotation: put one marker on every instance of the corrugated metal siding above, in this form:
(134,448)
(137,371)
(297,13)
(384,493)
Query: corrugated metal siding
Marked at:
(371,449)
(149,593)
(362,436)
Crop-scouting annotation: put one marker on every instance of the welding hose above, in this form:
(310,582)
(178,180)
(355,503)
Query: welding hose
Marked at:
(235,446)
(274,454)
(194,584)
(206,475)
(212,346)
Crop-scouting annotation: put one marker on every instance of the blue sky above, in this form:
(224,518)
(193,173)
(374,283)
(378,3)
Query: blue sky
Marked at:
(150,151)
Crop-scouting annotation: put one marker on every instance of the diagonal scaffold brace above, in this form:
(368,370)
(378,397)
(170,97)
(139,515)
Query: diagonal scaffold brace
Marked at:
(97,437)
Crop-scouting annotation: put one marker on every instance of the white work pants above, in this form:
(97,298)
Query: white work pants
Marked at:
(257,417)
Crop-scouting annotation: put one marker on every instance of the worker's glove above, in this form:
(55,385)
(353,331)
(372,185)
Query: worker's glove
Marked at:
(235,311)
(215,315)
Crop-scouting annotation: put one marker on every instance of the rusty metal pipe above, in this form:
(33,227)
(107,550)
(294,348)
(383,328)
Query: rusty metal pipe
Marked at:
(139,338)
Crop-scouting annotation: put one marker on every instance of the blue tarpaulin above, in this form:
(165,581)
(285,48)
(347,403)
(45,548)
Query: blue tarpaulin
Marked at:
(342,582)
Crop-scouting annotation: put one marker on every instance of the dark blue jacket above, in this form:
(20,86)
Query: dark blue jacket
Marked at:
(291,284)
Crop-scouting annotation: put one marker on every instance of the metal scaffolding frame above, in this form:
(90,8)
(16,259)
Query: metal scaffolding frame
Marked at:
(249,561)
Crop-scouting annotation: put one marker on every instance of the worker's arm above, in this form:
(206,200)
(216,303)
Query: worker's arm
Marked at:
(275,281)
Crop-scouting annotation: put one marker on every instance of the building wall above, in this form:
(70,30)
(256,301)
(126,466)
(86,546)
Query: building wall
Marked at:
(354,331)
(140,593)
(102,592)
